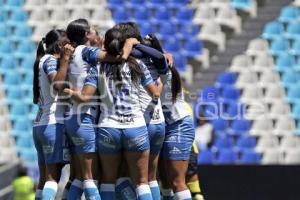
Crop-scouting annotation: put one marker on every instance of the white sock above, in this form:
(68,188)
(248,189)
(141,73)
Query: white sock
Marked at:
(185,194)
(89,184)
(51,185)
(167,192)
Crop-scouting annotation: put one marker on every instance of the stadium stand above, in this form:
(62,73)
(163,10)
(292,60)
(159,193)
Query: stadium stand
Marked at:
(266,77)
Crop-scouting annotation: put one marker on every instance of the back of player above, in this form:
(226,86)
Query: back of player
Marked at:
(49,130)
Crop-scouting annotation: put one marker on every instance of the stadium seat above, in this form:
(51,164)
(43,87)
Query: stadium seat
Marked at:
(24,143)
(162,15)
(172,46)
(141,15)
(296,111)
(284,126)
(263,62)
(223,143)
(21,127)
(7,63)
(187,29)
(273,30)
(220,126)
(183,15)
(177,4)
(249,6)
(240,127)
(146,28)
(289,142)
(240,63)
(229,18)
(37,17)
(279,46)
(279,109)
(250,157)
(120,15)
(288,14)
(245,143)
(115,3)
(226,79)
(227,156)
(289,78)
(246,78)
(4,32)
(273,93)
(13,4)
(180,62)
(31,5)
(285,62)
(251,94)
(293,31)
(211,32)
(295,48)
(205,157)
(18,16)
(292,157)
(5,48)
(257,47)
(11,79)
(235,110)
(17,110)
(203,14)
(193,48)
(153,4)
(268,78)
(26,47)
(267,142)
(166,31)
(261,126)
(22,32)
(272,157)
(209,94)
(230,94)
(293,94)
(29,155)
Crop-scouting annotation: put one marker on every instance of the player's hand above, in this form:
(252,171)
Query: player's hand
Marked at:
(67,52)
(169,58)
(132,41)
(97,42)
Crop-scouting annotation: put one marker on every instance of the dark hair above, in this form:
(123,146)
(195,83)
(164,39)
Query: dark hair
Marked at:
(113,43)
(129,30)
(22,171)
(76,31)
(152,41)
(50,44)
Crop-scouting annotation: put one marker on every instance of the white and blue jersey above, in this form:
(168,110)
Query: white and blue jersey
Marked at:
(80,123)
(83,58)
(180,130)
(51,109)
(48,129)
(126,111)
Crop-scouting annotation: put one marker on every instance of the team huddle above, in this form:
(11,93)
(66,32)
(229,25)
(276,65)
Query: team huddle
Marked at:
(114,110)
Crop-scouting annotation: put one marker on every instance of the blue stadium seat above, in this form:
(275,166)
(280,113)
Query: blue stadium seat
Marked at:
(18,17)
(290,78)
(289,14)
(230,94)
(209,94)
(223,143)
(295,49)
(13,94)
(24,142)
(28,80)
(156,3)
(227,156)
(177,4)
(25,48)
(226,79)
(166,31)
(7,64)
(29,155)
(273,30)
(235,110)
(141,15)
(240,127)
(22,126)
(22,32)
(293,94)
(26,65)
(5,48)
(285,62)
(113,4)
(220,126)
(11,79)
(245,142)
(120,15)
(205,157)
(250,157)
(180,62)
(293,31)
(146,28)
(13,4)
(183,16)
(3,31)
(134,4)
(17,110)
(193,48)
(187,29)
(296,111)
(172,46)
(162,15)
(279,46)
(241,4)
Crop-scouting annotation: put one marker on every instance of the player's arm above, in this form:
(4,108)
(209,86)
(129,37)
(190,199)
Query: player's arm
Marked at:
(60,78)
(89,89)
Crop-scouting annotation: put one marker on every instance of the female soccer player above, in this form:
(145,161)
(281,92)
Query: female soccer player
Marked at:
(80,125)
(121,123)
(179,137)
(48,129)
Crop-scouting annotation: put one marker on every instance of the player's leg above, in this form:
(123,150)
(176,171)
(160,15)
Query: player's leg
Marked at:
(137,150)
(109,149)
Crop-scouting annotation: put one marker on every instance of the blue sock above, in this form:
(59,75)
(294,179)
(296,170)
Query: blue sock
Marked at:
(155,192)
(183,195)
(143,192)
(49,190)
(38,194)
(90,190)
(124,189)
(167,194)
(75,191)
(107,191)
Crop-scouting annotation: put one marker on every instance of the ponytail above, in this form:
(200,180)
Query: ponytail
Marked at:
(176,86)
(39,54)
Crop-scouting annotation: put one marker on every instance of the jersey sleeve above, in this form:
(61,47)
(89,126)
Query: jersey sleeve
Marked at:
(92,77)
(50,66)
(90,55)
(146,78)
